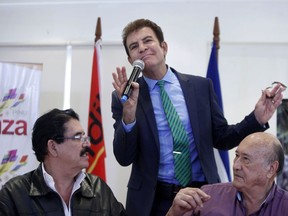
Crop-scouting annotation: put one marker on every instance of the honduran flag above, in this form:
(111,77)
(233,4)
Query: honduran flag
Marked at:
(222,157)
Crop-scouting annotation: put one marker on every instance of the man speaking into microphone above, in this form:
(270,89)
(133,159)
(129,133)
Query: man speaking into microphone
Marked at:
(169,124)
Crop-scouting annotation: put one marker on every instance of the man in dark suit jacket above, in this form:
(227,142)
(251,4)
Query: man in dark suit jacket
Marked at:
(142,134)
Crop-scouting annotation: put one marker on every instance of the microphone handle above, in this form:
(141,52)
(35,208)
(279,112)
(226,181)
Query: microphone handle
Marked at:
(128,89)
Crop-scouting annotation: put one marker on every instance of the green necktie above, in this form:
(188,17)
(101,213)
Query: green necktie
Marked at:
(181,144)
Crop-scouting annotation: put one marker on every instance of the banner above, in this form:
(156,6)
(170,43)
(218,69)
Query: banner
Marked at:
(19,98)
(282,135)
(222,157)
(95,129)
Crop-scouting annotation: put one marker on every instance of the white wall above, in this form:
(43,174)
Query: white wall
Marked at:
(253,53)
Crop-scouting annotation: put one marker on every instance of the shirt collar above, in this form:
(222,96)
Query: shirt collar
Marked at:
(50,181)
(169,77)
(267,199)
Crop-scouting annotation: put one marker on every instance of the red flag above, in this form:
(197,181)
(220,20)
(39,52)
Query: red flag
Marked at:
(95,129)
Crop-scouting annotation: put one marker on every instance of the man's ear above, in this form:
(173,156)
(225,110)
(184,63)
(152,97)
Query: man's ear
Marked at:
(272,170)
(164,46)
(52,148)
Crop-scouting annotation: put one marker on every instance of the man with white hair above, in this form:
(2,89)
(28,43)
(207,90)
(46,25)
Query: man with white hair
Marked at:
(258,160)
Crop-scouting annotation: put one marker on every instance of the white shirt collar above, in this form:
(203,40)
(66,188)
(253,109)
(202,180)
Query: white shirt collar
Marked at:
(50,182)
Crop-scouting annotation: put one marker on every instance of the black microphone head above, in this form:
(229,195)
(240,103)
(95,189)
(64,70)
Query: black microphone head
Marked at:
(139,63)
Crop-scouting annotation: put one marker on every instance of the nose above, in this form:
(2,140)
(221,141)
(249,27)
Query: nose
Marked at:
(86,141)
(142,47)
(236,163)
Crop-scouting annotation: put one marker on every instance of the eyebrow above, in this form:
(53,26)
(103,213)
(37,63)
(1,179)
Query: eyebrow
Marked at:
(246,155)
(243,154)
(146,37)
(79,133)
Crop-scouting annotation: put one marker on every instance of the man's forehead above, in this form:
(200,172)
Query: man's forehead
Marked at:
(73,125)
(251,148)
(140,33)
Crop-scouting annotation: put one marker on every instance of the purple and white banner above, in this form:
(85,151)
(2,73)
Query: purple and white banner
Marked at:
(19,101)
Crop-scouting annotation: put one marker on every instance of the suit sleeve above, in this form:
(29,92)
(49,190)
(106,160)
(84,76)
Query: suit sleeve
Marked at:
(229,136)
(124,143)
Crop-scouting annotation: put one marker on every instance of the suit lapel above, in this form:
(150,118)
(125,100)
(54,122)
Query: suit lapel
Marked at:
(146,107)
(188,88)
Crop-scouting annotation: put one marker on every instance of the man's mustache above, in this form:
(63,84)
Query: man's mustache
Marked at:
(87,149)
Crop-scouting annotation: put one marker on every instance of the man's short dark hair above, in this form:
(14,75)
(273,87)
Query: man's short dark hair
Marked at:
(138,24)
(50,126)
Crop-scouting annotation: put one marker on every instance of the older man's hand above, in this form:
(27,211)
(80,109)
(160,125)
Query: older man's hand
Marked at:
(186,201)
(269,101)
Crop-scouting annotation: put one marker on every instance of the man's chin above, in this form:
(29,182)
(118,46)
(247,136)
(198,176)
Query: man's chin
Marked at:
(238,183)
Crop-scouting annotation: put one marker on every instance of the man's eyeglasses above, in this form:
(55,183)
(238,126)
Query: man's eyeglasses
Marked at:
(76,137)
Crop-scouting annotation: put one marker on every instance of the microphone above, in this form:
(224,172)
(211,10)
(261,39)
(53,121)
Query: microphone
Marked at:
(138,66)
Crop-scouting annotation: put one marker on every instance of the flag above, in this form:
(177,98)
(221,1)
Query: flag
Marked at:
(95,129)
(222,157)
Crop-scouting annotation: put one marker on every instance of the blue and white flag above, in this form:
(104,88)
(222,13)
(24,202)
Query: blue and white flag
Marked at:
(222,157)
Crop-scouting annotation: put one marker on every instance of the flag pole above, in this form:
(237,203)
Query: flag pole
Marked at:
(216,33)
(98,31)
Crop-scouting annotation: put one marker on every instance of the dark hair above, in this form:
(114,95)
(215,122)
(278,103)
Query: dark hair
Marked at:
(50,126)
(138,24)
